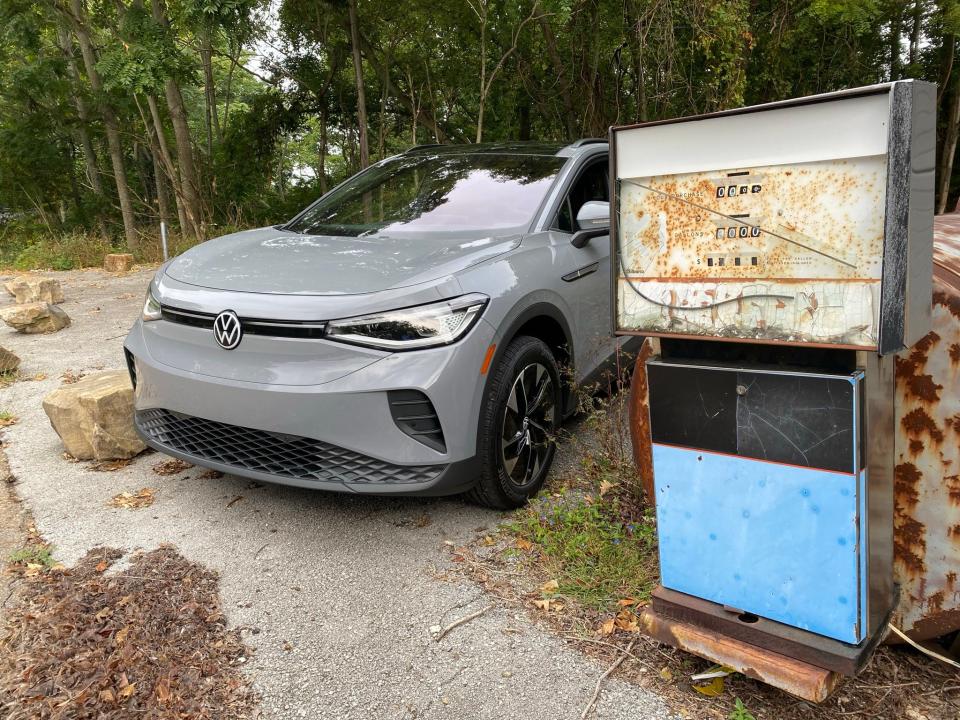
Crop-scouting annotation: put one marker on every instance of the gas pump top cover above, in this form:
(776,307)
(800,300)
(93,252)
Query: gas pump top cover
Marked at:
(808,221)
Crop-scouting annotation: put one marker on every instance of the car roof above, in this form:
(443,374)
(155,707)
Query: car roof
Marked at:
(510,148)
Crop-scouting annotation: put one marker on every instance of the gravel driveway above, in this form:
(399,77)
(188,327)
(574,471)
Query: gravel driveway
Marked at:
(337,592)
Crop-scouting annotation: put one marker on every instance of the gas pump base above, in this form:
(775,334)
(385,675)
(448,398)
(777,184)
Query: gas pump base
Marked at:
(767,635)
(799,678)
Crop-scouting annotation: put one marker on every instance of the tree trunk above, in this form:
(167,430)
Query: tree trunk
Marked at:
(323,149)
(210,92)
(896,30)
(949,150)
(569,114)
(167,160)
(915,34)
(189,185)
(358,77)
(89,154)
(109,122)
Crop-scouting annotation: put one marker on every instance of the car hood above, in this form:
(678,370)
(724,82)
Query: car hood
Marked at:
(271,260)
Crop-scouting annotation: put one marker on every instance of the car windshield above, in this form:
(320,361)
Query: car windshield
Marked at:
(424,193)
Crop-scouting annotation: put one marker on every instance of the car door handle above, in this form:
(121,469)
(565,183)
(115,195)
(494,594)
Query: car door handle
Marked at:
(582,272)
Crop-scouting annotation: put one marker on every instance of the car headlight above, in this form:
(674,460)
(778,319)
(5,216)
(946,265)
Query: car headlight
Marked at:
(151,306)
(411,328)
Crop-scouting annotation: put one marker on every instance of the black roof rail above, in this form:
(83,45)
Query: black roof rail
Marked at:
(424,146)
(586,141)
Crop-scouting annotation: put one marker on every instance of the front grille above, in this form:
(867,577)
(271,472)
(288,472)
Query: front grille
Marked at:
(287,456)
(251,326)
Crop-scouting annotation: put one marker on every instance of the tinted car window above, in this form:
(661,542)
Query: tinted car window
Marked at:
(591,185)
(417,193)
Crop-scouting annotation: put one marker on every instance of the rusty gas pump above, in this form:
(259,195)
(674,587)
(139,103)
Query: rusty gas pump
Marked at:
(776,258)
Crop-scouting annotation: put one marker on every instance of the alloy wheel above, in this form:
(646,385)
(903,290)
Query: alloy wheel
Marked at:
(528,423)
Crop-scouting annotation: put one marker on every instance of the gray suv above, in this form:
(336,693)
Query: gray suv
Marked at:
(416,330)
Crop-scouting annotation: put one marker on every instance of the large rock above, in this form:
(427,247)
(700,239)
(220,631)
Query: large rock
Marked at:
(31,290)
(39,317)
(8,361)
(94,417)
(117,262)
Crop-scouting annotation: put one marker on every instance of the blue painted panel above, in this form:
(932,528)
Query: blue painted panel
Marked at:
(775,540)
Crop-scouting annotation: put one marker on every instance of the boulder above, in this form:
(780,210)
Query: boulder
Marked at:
(8,361)
(38,317)
(94,417)
(31,290)
(117,262)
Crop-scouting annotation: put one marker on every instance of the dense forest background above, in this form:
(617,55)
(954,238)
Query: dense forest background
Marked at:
(216,114)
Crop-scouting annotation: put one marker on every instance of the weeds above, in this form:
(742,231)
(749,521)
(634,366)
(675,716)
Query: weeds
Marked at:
(740,712)
(34,555)
(7,418)
(594,556)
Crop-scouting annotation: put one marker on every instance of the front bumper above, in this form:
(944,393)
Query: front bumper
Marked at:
(337,435)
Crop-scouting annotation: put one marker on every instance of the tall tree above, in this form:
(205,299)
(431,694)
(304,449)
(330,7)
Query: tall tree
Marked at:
(81,29)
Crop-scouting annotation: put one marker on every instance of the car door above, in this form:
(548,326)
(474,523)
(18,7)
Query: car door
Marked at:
(586,276)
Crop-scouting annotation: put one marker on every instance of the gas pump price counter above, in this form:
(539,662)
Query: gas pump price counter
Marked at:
(776,256)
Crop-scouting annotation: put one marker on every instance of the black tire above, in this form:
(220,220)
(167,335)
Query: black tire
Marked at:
(518,425)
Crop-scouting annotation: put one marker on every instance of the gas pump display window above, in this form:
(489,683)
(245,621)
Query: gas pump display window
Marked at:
(765,226)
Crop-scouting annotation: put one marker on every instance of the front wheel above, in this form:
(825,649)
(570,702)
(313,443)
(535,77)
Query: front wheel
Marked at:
(518,425)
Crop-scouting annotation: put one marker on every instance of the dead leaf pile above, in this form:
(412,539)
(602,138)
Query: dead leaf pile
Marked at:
(171,467)
(142,498)
(146,642)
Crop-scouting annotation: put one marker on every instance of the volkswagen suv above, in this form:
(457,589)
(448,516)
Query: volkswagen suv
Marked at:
(418,329)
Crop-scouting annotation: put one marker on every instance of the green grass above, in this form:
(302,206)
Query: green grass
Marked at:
(34,554)
(594,555)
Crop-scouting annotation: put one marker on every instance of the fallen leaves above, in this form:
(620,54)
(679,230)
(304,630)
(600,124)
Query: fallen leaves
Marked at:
(605,487)
(69,377)
(142,498)
(135,643)
(550,586)
(171,467)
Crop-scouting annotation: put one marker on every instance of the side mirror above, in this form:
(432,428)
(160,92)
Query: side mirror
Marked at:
(593,219)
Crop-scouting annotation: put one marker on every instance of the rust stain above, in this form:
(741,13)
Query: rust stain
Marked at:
(954,534)
(952,483)
(949,301)
(793,676)
(916,447)
(909,542)
(918,421)
(640,421)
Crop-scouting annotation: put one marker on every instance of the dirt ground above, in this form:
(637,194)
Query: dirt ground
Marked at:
(336,594)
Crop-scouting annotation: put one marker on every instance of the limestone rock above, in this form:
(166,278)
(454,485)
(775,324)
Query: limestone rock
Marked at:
(8,361)
(31,290)
(38,317)
(94,417)
(117,262)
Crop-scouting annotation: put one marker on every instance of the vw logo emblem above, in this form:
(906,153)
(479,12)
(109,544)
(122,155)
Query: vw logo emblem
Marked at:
(227,330)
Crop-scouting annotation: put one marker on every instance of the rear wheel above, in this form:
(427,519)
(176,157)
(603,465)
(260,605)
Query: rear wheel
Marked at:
(518,424)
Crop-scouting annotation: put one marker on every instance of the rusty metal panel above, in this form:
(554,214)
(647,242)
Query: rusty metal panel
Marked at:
(793,676)
(759,225)
(927,451)
(927,514)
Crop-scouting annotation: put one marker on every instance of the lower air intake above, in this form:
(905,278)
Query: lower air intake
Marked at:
(285,456)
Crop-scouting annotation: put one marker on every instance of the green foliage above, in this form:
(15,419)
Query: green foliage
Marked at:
(740,712)
(54,251)
(268,133)
(34,555)
(594,555)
